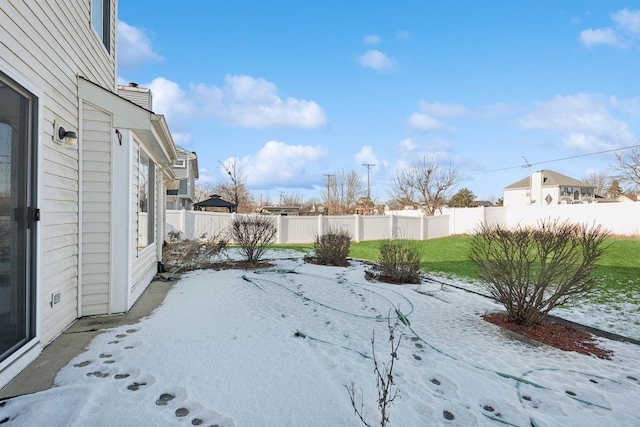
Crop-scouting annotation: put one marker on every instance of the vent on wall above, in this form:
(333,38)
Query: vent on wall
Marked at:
(55,298)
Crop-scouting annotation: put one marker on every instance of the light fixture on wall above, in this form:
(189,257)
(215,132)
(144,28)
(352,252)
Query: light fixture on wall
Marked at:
(68,138)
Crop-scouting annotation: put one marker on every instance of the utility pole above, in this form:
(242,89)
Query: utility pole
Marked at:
(369,166)
(328,176)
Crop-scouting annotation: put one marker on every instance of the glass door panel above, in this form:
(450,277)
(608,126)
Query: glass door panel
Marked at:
(17,217)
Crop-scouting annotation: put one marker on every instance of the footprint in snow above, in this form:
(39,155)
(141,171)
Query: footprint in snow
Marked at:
(165,398)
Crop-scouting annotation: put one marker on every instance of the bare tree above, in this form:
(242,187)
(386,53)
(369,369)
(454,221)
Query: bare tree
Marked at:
(628,167)
(599,180)
(235,190)
(291,200)
(425,183)
(203,191)
(343,190)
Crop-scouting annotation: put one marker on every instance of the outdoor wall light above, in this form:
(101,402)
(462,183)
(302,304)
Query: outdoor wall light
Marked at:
(68,138)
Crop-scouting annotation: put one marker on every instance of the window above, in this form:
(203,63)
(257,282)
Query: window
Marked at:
(180,163)
(146,200)
(100,14)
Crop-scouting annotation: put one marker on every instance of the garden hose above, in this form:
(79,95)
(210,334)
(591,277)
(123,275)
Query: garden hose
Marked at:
(404,319)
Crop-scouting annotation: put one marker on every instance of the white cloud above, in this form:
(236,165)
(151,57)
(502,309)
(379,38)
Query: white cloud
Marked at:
(409,151)
(425,122)
(366,155)
(255,103)
(407,145)
(626,33)
(495,110)
(169,99)
(377,60)
(629,106)
(134,48)
(427,117)
(600,36)
(439,109)
(628,21)
(278,163)
(584,119)
(372,39)
(243,101)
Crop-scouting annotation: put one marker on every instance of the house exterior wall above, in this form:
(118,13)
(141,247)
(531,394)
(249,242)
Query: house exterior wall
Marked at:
(46,57)
(96,211)
(515,197)
(85,244)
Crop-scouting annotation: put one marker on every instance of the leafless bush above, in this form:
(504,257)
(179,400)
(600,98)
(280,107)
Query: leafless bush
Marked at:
(331,248)
(398,262)
(533,269)
(387,393)
(253,233)
(192,254)
(174,235)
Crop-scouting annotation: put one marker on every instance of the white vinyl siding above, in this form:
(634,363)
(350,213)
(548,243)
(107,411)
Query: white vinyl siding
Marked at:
(49,55)
(96,210)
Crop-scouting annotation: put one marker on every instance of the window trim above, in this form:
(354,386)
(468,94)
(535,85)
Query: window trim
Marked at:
(150,208)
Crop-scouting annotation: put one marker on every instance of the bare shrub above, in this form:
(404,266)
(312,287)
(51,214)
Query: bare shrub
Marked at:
(398,262)
(331,248)
(174,235)
(253,234)
(185,255)
(533,269)
(387,393)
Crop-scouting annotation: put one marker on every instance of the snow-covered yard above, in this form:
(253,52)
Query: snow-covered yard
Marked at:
(277,347)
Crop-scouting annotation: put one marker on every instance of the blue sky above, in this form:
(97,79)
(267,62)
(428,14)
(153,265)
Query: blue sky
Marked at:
(296,90)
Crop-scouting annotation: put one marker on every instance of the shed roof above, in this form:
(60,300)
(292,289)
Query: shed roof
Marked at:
(215,202)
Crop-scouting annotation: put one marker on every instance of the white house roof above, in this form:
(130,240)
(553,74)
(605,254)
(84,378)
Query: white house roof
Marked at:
(550,179)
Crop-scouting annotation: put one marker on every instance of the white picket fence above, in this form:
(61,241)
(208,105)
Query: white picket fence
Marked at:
(618,218)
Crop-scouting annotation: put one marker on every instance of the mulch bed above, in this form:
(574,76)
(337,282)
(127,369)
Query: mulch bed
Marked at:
(563,337)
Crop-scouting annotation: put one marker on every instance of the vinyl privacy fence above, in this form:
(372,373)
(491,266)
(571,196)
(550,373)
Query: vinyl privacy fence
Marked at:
(619,218)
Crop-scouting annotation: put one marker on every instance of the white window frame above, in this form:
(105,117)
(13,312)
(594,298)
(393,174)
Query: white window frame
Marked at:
(101,21)
(145,162)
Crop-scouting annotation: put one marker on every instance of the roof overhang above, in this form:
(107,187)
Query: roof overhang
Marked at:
(149,127)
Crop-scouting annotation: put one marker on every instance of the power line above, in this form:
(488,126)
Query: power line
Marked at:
(528,165)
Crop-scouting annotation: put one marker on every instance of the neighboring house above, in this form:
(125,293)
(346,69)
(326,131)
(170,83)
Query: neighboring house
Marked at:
(81,176)
(182,190)
(547,187)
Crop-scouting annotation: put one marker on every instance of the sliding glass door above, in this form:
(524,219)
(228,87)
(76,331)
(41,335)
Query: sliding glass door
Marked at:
(18,214)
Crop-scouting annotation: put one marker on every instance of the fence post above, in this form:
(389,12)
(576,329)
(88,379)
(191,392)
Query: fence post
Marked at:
(423,227)
(279,224)
(358,228)
(182,221)
(393,226)
(452,221)
(320,225)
